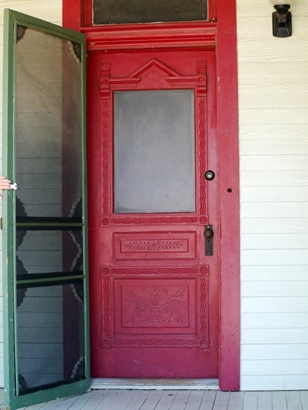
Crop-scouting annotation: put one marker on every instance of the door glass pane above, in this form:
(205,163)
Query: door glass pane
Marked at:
(154,151)
(48,125)
(146,11)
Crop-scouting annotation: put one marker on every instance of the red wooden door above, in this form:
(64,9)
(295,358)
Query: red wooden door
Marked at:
(151,137)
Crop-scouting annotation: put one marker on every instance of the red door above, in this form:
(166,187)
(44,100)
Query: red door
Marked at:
(153,274)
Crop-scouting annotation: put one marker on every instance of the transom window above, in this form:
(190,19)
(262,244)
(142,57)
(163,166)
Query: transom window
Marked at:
(148,11)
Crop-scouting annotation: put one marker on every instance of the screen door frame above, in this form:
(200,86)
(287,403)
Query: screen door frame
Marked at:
(13,398)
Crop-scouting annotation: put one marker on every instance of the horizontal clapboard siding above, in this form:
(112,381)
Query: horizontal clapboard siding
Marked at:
(269,305)
(50,11)
(273,109)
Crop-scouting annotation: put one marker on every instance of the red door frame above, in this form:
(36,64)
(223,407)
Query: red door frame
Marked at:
(227,128)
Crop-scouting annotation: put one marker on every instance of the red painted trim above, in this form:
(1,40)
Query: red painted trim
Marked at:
(227,127)
(87,13)
(159,36)
(72,14)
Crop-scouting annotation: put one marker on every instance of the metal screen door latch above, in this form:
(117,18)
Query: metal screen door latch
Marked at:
(13,186)
(208,235)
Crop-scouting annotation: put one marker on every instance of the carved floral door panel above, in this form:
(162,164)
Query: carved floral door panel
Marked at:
(152,136)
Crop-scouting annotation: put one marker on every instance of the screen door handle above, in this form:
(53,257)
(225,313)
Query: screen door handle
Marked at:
(208,235)
(13,186)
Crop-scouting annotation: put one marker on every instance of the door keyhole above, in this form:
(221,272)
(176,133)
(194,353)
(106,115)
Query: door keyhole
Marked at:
(208,234)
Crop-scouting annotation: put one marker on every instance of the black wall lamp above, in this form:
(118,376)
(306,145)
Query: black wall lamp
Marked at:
(282,18)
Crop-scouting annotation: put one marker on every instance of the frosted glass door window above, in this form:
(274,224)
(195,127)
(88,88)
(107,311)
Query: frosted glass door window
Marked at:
(154,151)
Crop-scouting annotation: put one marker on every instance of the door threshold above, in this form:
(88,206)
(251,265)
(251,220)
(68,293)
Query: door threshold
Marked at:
(155,384)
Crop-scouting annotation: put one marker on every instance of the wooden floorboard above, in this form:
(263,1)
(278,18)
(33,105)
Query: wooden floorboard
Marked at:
(101,400)
(221,400)
(250,401)
(152,400)
(304,399)
(236,400)
(279,400)
(195,400)
(265,400)
(124,399)
(67,403)
(180,400)
(81,401)
(138,400)
(293,400)
(130,399)
(208,400)
(166,400)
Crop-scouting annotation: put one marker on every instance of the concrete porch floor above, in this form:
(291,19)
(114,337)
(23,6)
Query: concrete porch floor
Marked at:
(177,399)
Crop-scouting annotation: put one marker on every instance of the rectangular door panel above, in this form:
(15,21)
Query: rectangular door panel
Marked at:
(157,301)
(154,245)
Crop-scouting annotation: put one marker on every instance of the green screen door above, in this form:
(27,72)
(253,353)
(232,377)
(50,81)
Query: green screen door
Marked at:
(44,219)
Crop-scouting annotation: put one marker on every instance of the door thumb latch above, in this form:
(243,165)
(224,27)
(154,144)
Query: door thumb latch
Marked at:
(208,235)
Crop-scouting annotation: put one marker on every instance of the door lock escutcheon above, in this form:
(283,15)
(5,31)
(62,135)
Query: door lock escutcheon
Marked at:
(208,235)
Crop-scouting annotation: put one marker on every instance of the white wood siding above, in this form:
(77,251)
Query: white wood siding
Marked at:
(46,10)
(273,106)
